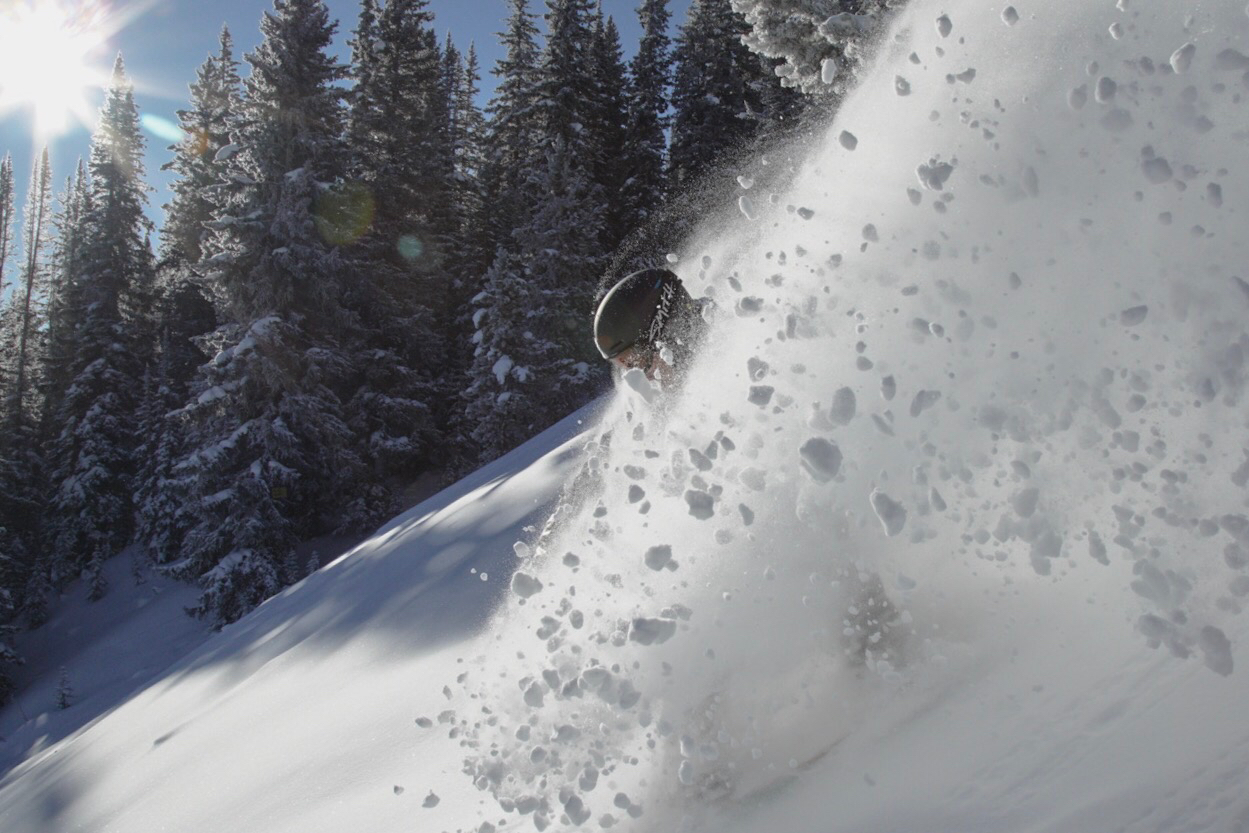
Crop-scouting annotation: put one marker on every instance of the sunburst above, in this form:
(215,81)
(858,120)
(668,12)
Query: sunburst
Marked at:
(52,55)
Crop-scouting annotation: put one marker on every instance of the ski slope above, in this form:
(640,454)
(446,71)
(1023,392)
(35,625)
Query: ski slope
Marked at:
(947,531)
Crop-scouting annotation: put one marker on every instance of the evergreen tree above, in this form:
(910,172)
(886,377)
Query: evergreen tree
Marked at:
(28,304)
(400,119)
(567,94)
(716,95)
(607,131)
(817,46)
(198,159)
(514,139)
(530,368)
(269,451)
(21,464)
(645,147)
(7,203)
(469,257)
(63,301)
(93,449)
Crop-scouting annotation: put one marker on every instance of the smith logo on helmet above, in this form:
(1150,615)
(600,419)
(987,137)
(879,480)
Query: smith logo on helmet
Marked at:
(662,310)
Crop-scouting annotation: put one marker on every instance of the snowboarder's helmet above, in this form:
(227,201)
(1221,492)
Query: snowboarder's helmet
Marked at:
(637,309)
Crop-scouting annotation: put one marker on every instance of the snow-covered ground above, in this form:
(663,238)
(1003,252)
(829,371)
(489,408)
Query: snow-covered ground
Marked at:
(947,532)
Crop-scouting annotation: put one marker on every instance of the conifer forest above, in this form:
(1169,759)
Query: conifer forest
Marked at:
(365,278)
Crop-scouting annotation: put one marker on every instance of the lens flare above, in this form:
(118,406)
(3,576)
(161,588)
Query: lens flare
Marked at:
(344,214)
(51,55)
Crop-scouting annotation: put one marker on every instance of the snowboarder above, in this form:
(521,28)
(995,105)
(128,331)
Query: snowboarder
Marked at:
(649,321)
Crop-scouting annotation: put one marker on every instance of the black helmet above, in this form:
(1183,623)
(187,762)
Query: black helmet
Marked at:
(637,310)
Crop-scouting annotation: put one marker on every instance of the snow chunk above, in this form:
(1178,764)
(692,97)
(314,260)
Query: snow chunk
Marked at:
(1025,501)
(1133,315)
(933,174)
(1105,90)
(1182,58)
(844,405)
(901,86)
(848,140)
(1231,60)
(660,558)
(821,459)
(636,379)
(747,207)
(828,70)
(501,368)
(890,513)
(226,152)
(761,395)
(746,182)
(525,585)
(944,26)
(702,505)
(651,631)
(1009,16)
(1217,649)
(1157,170)
(431,800)
(924,400)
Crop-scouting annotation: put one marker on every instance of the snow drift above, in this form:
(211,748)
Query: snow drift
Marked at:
(981,353)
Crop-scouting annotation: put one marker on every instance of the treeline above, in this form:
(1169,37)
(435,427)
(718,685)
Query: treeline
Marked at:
(362,278)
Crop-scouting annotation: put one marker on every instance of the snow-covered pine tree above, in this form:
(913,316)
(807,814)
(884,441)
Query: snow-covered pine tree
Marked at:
(199,159)
(716,96)
(270,452)
(63,302)
(400,164)
(645,147)
(89,517)
(607,131)
(530,367)
(12,562)
(29,300)
(22,330)
(465,255)
(514,139)
(567,96)
(821,45)
(7,208)
(162,495)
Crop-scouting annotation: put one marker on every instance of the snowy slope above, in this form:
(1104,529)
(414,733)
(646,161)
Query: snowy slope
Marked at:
(948,531)
(299,717)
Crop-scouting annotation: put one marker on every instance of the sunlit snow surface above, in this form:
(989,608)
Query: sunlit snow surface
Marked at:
(994,352)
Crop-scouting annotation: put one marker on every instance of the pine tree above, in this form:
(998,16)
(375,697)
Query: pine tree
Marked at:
(645,148)
(29,302)
(514,139)
(7,203)
(199,158)
(269,450)
(716,94)
(93,449)
(567,97)
(21,463)
(529,366)
(607,130)
(817,46)
(399,122)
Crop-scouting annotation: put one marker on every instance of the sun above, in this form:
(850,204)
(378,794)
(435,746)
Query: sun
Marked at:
(49,58)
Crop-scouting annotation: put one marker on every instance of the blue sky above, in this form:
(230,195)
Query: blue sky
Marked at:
(165,41)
